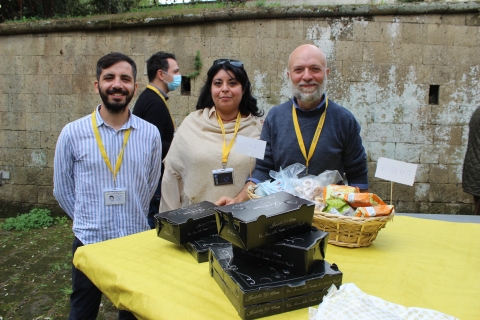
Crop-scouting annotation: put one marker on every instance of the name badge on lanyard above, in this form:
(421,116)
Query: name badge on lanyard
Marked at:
(116,195)
(225,176)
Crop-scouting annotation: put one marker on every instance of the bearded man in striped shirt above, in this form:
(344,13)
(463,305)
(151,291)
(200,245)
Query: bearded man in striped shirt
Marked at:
(106,168)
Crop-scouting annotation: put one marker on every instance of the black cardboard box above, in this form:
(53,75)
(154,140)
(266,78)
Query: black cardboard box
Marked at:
(254,283)
(296,253)
(256,311)
(265,220)
(186,224)
(199,248)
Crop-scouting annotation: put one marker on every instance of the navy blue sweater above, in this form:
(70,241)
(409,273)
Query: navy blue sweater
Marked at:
(339,147)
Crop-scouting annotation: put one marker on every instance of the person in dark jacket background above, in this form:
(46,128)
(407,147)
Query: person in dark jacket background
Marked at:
(471,164)
(163,76)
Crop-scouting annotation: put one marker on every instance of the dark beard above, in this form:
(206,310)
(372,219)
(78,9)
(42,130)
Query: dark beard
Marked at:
(115,107)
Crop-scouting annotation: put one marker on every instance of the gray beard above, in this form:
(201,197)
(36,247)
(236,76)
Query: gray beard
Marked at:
(310,96)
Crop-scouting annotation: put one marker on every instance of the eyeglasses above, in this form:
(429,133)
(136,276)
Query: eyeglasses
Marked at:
(234,63)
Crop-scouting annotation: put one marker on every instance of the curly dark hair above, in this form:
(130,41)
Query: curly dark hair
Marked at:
(248,104)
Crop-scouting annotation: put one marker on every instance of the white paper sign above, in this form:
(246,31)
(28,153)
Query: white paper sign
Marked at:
(396,171)
(250,147)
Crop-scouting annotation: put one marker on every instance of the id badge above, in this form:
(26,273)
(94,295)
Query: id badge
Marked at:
(114,196)
(222,176)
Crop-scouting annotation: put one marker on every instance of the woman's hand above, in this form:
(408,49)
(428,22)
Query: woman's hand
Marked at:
(241,197)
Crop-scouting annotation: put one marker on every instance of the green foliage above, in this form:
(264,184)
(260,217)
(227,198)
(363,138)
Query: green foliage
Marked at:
(67,290)
(35,219)
(62,221)
(59,266)
(260,3)
(197,64)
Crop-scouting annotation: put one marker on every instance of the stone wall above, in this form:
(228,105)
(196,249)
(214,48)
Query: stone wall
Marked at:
(382,68)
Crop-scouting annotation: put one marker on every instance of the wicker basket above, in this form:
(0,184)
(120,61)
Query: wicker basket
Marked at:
(345,231)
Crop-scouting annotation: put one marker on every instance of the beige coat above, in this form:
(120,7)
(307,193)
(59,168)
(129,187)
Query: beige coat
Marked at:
(196,150)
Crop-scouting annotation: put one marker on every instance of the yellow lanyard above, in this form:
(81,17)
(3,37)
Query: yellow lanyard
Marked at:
(315,137)
(102,147)
(149,86)
(226,149)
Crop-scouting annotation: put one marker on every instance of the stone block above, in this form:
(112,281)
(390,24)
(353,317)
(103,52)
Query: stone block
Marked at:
(25,193)
(9,83)
(457,208)
(225,47)
(18,175)
(407,207)
(366,31)
(16,45)
(381,188)
(421,192)
(8,65)
(353,71)
(407,54)
(45,195)
(60,84)
(463,197)
(39,176)
(210,30)
(465,55)
(275,49)
(472,19)
(384,132)
(38,121)
(11,157)
(453,155)
(289,29)
(465,35)
(36,84)
(83,84)
(35,158)
(438,55)
(12,121)
(377,150)
(265,28)
(432,208)
(50,157)
(179,106)
(378,52)
(413,33)
(10,139)
(408,152)
(450,134)
(48,140)
(348,51)
(431,154)
(439,173)
(363,92)
(248,47)
(423,173)
(316,29)
(5,102)
(442,192)
(450,113)
(440,34)
(60,45)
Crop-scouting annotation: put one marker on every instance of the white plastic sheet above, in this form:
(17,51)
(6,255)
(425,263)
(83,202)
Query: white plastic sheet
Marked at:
(349,302)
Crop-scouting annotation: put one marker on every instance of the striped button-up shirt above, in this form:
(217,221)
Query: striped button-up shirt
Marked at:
(81,177)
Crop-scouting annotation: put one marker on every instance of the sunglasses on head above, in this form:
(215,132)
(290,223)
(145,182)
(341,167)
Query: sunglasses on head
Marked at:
(234,63)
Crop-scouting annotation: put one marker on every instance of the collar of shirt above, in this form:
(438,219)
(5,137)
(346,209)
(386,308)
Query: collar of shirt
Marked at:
(318,107)
(132,121)
(161,91)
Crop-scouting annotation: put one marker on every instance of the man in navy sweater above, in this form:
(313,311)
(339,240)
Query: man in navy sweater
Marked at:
(163,76)
(309,129)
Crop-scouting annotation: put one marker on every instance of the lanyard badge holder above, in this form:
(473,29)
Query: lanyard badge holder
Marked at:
(225,175)
(111,196)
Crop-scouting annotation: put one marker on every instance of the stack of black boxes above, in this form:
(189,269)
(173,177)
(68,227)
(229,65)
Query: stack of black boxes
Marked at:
(273,261)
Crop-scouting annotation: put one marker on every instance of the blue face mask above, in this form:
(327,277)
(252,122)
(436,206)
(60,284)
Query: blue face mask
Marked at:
(177,79)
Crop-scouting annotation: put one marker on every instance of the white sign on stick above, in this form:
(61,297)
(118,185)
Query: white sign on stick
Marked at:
(250,147)
(396,171)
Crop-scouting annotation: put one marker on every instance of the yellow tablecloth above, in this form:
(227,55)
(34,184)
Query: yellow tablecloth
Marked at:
(413,262)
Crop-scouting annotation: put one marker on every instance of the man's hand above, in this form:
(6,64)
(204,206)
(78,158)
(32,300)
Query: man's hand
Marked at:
(240,197)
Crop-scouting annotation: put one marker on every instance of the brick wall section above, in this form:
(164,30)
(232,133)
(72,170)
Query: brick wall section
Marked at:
(381,70)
